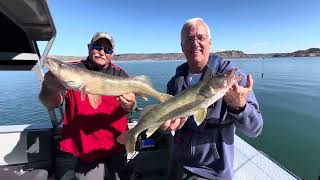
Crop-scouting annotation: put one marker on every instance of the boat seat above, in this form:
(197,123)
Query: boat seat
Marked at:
(26,152)
(12,174)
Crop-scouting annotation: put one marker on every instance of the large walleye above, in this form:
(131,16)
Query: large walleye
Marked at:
(192,101)
(96,84)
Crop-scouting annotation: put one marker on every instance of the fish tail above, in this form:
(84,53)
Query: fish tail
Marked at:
(130,142)
(164,97)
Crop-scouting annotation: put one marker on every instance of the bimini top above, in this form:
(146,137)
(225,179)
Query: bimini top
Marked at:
(23,22)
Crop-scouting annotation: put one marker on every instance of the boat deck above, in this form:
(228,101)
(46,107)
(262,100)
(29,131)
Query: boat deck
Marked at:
(249,163)
(18,140)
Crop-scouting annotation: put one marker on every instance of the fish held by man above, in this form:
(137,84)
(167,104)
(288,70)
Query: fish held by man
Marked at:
(97,84)
(192,101)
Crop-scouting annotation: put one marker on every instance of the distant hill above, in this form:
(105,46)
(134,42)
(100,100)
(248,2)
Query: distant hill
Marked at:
(232,54)
(312,52)
(155,56)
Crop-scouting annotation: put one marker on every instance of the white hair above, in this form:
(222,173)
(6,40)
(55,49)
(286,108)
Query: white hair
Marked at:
(191,22)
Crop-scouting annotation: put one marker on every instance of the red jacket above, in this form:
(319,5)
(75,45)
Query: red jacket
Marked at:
(89,133)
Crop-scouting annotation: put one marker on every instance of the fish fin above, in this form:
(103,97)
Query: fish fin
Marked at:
(83,96)
(130,141)
(82,89)
(144,78)
(200,115)
(73,84)
(150,131)
(144,98)
(95,100)
(122,138)
(147,109)
(164,97)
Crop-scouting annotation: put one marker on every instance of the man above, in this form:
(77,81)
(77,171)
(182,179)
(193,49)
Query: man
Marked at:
(206,151)
(90,134)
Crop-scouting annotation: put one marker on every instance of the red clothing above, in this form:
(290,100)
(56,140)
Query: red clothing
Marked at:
(89,133)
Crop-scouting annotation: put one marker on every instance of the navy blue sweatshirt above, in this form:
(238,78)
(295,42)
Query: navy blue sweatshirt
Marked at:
(207,150)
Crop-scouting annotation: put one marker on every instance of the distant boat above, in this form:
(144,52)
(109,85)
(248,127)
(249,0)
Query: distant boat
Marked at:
(262,71)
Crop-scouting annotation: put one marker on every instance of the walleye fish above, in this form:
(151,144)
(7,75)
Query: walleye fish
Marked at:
(96,84)
(192,101)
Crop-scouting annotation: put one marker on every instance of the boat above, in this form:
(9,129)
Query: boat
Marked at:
(31,151)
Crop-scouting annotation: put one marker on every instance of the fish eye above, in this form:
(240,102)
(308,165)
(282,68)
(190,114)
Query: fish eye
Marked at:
(225,83)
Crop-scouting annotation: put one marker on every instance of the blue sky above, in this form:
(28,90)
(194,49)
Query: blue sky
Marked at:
(150,26)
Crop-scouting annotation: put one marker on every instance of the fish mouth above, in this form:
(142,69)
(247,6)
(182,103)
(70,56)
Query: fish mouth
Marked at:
(231,73)
(228,75)
(226,79)
(232,78)
(48,63)
(53,64)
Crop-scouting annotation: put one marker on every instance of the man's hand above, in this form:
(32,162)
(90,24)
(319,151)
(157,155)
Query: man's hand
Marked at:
(127,100)
(236,97)
(52,82)
(52,93)
(174,124)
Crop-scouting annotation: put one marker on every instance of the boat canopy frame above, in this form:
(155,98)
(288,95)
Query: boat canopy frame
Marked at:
(21,31)
(23,23)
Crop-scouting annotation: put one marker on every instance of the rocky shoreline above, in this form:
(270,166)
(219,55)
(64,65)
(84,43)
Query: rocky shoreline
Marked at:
(232,54)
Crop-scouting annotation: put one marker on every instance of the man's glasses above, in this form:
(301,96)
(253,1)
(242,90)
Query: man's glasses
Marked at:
(98,47)
(198,38)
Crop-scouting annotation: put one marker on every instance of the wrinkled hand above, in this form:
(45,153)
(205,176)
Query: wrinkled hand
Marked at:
(236,97)
(174,124)
(127,100)
(52,82)
(52,92)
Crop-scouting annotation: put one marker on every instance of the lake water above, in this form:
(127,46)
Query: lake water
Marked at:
(288,95)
